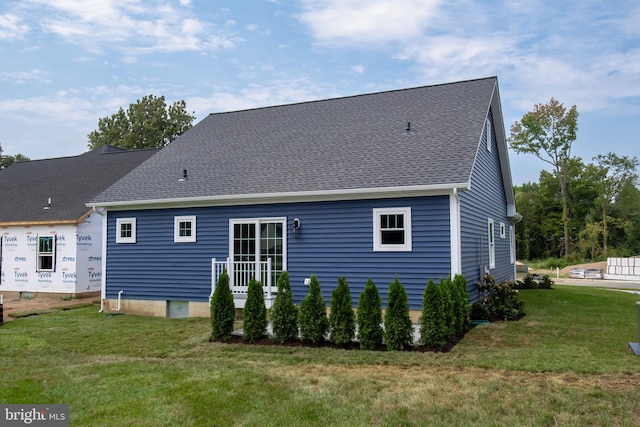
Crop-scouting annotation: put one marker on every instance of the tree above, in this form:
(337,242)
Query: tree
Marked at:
(342,322)
(254,315)
(312,319)
(6,161)
(433,328)
(223,311)
(370,333)
(398,329)
(284,313)
(148,123)
(617,173)
(548,132)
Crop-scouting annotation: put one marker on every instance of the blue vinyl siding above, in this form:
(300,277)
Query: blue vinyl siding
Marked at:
(335,239)
(485,199)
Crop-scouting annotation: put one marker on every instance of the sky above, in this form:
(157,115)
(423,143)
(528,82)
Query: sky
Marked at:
(66,63)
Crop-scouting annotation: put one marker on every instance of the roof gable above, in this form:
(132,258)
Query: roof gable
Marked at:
(424,137)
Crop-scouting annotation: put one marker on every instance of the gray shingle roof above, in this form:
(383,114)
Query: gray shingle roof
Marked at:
(352,143)
(70,182)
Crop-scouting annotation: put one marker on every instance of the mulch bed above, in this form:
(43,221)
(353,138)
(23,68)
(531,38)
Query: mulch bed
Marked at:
(353,345)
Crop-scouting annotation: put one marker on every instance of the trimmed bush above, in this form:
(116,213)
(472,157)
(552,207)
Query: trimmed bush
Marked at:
(433,327)
(501,300)
(461,304)
(369,317)
(284,313)
(254,315)
(398,333)
(448,306)
(312,318)
(342,322)
(223,311)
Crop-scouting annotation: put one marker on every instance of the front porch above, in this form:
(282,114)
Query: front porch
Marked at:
(240,273)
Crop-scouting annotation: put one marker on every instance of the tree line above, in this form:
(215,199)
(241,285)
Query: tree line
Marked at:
(579,210)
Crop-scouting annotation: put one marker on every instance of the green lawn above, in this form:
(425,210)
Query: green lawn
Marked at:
(566,363)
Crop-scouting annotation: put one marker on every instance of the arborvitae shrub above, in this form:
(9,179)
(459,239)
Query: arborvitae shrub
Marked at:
(398,333)
(448,306)
(342,323)
(223,312)
(369,317)
(254,315)
(312,318)
(462,307)
(284,313)
(433,331)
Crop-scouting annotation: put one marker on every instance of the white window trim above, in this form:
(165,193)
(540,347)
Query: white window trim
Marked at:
(177,238)
(489,135)
(119,223)
(377,241)
(503,230)
(492,243)
(512,245)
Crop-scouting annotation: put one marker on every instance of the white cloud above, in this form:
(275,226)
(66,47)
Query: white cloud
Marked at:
(11,27)
(357,69)
(23,77)
(131,26)
(367,21)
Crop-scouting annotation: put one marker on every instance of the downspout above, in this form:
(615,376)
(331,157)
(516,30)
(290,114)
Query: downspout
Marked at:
(103,280)
(119,295)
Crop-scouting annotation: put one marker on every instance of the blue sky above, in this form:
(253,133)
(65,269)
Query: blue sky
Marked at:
(66,63)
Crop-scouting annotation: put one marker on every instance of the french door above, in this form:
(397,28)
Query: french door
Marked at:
(253,241)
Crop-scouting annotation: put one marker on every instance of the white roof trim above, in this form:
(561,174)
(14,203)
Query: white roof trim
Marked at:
(286,197)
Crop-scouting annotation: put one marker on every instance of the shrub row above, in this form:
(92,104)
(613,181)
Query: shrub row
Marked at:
(445,314)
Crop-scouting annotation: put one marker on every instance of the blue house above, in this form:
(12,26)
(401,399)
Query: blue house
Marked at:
(412,183)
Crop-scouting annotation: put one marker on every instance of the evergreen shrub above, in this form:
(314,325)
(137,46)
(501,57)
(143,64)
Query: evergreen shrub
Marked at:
(398,333)
(342,323)
(223,311)
(433,326)
(284,313)
(254,315)
(369,317)
(312,317)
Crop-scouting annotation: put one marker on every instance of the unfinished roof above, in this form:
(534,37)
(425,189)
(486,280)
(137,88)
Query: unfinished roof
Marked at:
(421,137)
(69,182)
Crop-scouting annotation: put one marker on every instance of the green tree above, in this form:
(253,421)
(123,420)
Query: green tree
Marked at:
(398,329)
(462,307)
(433,328)
(223,311)
(369,317)
(6,161)
(342,322)
(548,132)
(312,318)
(284,313)
(147,123)
(617,173)
(254,314)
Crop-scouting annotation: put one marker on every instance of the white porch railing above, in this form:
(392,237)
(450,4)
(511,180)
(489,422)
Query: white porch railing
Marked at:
(240,273)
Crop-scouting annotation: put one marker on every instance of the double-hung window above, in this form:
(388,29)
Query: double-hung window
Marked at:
(46,253)
(184,229)
(492,244)
(126,230)
(392,229)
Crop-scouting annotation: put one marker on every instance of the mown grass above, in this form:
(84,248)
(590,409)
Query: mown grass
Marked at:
(566,363)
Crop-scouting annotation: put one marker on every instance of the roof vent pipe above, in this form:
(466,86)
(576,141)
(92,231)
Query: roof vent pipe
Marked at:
(184,175)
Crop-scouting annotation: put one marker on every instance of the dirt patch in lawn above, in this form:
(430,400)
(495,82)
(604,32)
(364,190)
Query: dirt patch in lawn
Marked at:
(42,303)
(602,265)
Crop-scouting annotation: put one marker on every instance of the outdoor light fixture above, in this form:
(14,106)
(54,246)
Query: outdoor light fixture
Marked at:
(296,226)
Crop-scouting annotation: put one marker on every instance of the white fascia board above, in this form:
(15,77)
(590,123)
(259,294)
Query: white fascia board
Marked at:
(288,197)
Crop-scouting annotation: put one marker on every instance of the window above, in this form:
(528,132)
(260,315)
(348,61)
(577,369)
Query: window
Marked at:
(126,230)
(184,229)
(503,231)
(46,253)
(492,245)
(512,245)
(392,229)
(489,134)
